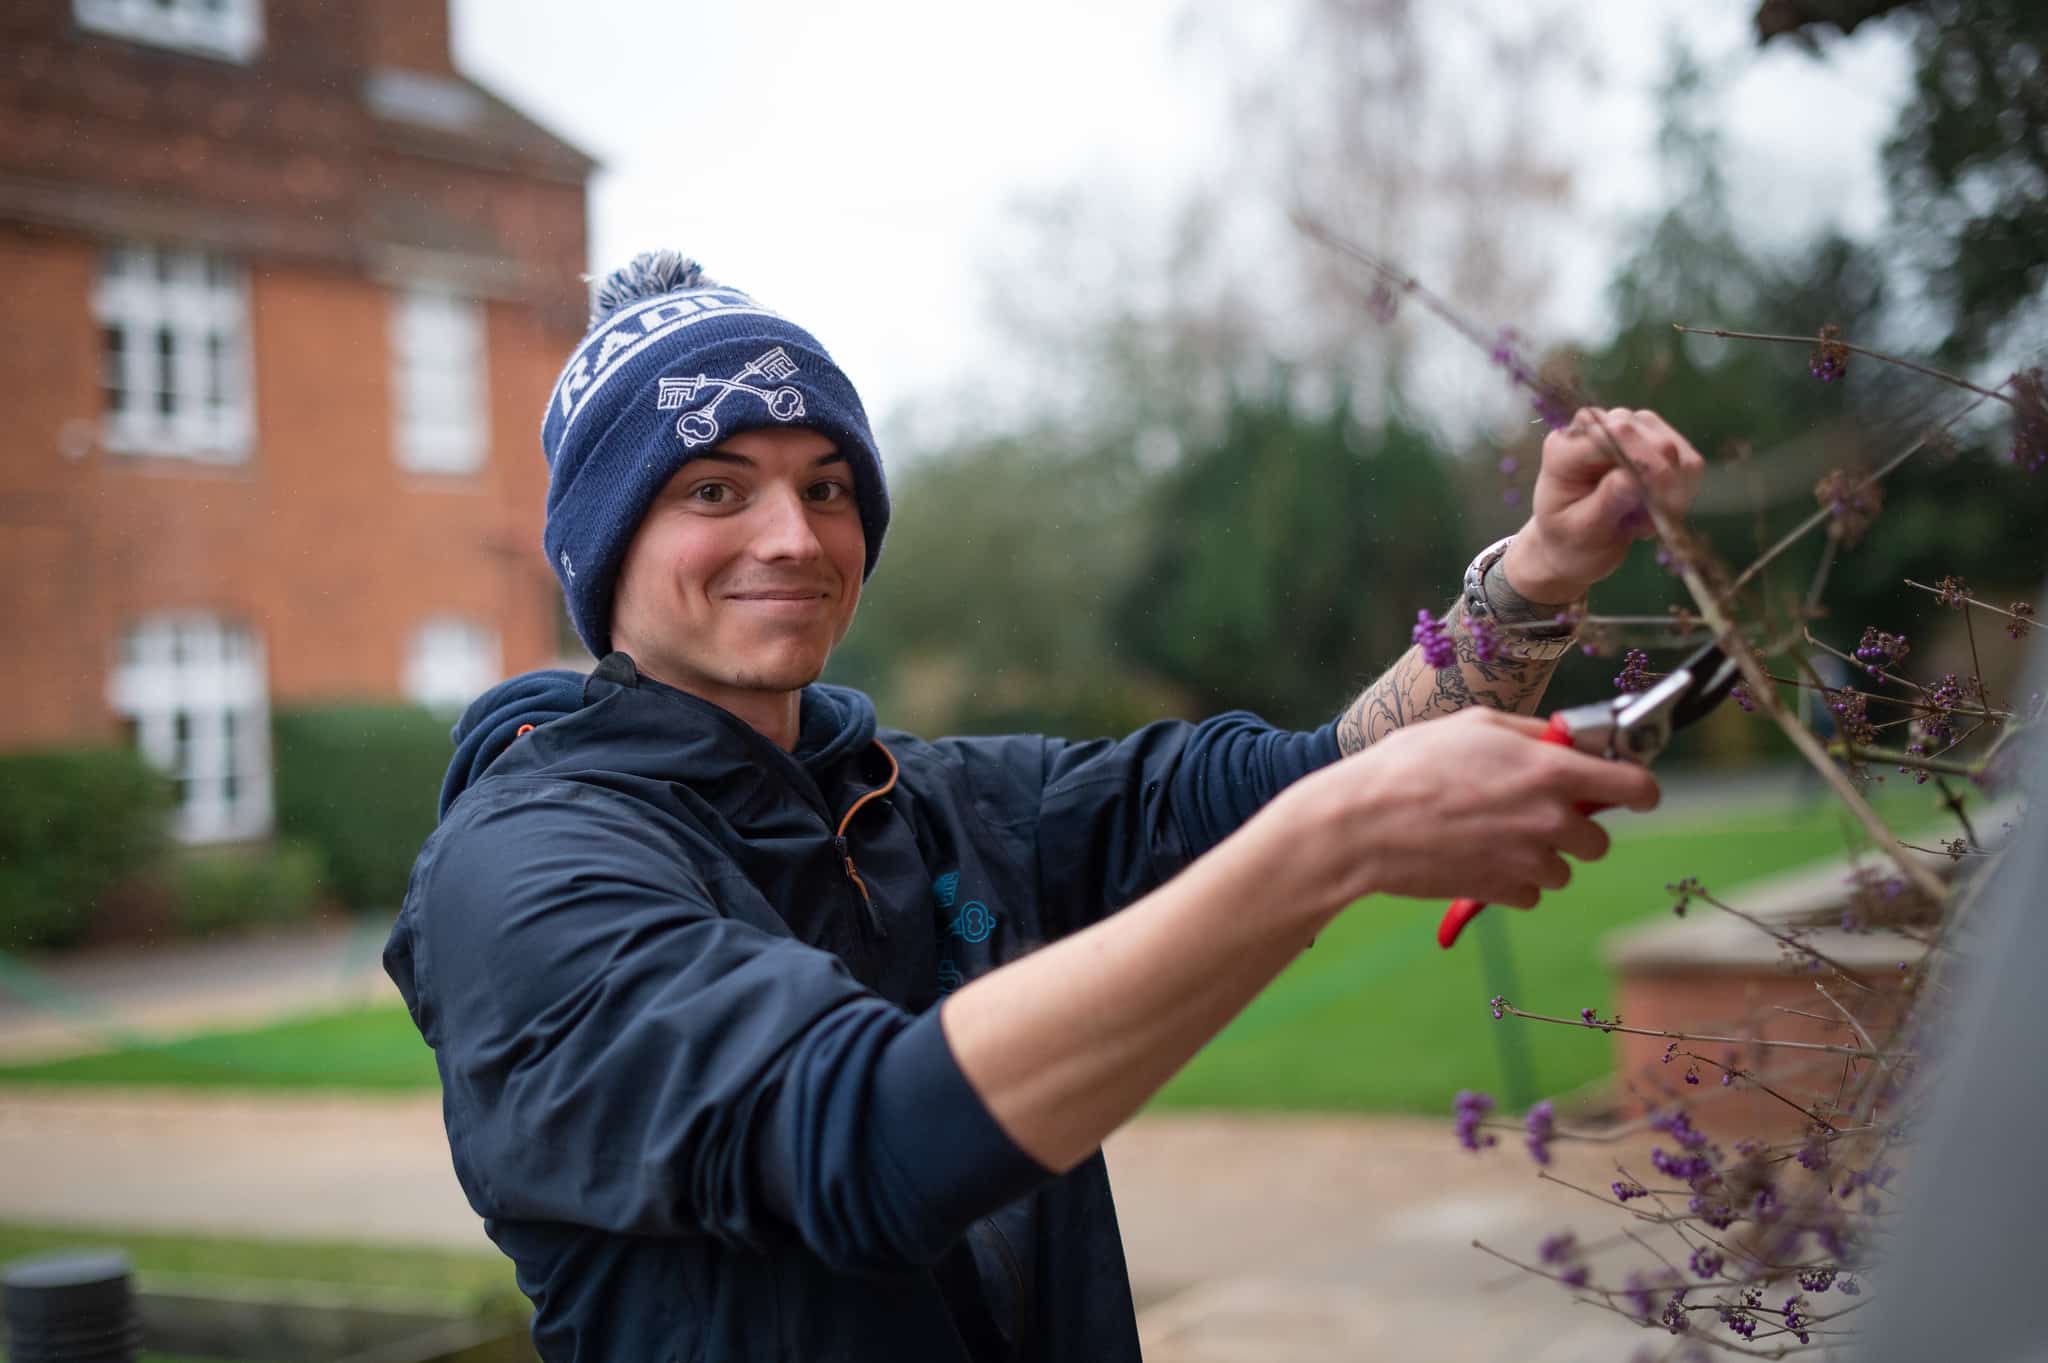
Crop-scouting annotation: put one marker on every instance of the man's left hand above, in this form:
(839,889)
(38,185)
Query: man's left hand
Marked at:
(1587,510)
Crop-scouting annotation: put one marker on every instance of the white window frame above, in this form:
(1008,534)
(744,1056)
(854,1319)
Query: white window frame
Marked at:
(174,354)
(215,28)
(194,687)
(439,386)
(450,661)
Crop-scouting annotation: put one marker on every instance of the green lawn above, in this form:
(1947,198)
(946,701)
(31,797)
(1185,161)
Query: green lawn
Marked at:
(1377,1017)
(365,1048)
(471,1282)
(1373,1018)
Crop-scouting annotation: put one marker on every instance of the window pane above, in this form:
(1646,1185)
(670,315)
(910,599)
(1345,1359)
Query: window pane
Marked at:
(113,361)
(166,375)
(191,694)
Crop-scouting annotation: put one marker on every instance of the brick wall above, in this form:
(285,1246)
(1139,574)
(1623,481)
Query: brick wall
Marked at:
(320,541)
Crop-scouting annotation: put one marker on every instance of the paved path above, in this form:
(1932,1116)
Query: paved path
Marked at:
(99,1000)
(1316,1240)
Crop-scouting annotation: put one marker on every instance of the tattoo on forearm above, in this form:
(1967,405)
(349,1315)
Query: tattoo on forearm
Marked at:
(1411,690)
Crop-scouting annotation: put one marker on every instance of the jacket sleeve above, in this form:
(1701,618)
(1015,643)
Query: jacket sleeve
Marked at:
(616,1053)
(1118,818)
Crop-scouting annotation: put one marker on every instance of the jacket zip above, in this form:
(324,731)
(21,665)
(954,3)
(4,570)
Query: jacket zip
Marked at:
(874,915)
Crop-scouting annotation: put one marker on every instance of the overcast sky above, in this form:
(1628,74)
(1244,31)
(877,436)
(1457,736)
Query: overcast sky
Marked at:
(851,164)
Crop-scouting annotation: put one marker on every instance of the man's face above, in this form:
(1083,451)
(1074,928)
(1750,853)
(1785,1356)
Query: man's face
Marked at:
(744,575)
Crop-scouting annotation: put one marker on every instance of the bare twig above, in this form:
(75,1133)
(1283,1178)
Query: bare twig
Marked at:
(1710,1040)
(1878,355)
(1800,531)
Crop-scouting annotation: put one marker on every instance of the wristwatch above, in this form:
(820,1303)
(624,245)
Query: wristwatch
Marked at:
(1521,636)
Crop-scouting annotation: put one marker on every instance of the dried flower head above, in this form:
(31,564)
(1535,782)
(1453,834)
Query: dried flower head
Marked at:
(1852,717)
(1383,302)
(1830,358)
(1951,592)
(1851,502)
(2022,620)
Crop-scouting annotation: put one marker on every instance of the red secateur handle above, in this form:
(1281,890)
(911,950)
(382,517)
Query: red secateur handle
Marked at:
(1463,911)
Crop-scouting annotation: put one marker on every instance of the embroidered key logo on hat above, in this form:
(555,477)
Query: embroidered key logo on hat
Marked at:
(700,427)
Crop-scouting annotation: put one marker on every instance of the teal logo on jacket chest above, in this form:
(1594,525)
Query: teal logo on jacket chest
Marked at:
(974,921)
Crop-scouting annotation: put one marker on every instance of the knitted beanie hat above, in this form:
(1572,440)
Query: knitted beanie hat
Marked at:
(673,364)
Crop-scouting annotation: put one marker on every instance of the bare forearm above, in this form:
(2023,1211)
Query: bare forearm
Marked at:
(1066,1044)
(1411,690)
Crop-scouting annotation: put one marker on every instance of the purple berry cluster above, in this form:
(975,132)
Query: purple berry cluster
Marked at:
(1540,1129)
(1471,1108)
(1795,1322)
(1434,640)
(1817,1280)
(1561,1251)
(1632,678)
(1877,651)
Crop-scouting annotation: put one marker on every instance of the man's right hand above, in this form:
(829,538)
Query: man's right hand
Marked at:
(1473,805)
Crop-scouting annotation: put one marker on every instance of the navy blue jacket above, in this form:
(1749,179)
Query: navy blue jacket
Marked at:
(690,1057)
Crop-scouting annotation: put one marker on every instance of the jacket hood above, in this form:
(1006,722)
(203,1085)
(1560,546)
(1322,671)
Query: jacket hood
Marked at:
(493,720)
(833,721)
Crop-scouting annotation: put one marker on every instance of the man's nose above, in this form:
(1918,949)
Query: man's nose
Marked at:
(785,529)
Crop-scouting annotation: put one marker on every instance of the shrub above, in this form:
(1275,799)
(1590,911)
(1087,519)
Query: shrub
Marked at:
(359,783)
(224,889)
(73,823)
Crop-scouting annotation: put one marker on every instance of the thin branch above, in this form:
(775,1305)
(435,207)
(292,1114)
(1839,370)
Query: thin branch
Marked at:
(1952,799)
(1908,760)
(1513,1011)
(1798,946)
(1704,597)
(1799,532)
(1878,355)
(1847,1016)
(1985,605)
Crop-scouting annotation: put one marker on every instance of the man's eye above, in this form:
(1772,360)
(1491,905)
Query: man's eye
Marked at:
(714,493)
(829,491)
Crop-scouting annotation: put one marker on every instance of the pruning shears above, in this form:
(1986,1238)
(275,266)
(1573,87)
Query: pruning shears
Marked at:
(1634,728)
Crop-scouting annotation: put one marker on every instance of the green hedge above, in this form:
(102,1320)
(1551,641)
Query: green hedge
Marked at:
(73,823)
(359,782)
(224,889)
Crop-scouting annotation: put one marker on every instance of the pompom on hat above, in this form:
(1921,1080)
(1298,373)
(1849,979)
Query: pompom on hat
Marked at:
(673,364)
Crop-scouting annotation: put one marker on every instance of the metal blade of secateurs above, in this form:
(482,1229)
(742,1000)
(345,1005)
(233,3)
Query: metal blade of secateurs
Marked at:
(1714,674)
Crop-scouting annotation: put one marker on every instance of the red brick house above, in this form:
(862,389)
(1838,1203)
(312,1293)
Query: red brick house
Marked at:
(285,294)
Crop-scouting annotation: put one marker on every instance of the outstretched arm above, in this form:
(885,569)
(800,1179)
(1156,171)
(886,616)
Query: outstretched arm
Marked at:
(1586,511)
(1065,1044)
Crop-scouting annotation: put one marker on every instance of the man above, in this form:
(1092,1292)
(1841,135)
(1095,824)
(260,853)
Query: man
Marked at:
(767,1034)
